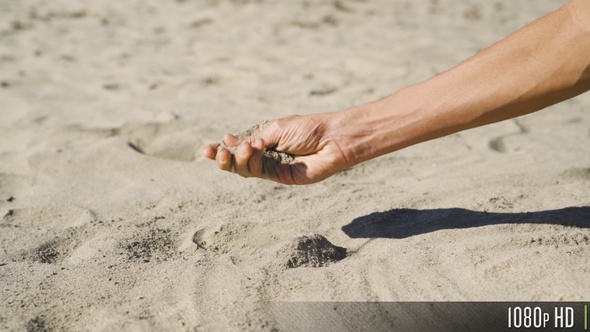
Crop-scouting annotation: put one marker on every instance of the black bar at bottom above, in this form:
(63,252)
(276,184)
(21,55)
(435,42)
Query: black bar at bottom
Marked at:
(429,316)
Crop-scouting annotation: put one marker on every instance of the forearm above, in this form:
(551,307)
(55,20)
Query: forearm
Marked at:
(544,63)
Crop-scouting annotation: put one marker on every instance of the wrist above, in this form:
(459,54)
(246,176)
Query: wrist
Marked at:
(400,120)
(375,128)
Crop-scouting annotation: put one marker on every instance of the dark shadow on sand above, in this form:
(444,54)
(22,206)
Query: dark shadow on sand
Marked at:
(403,223)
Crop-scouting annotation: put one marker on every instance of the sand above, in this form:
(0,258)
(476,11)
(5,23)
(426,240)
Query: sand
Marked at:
(271,158)
(111,220)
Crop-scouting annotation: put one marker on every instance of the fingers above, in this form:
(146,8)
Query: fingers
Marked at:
(242,157)
(231,140)
(210,151)
(255,162)
(224,160)
(246,160)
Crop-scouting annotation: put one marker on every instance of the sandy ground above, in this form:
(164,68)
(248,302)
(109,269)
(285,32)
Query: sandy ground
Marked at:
(111,220)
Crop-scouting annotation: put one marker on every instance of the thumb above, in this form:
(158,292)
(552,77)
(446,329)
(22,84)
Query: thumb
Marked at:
(270,134)
(280,132)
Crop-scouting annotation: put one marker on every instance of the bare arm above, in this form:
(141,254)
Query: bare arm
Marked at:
(544,63)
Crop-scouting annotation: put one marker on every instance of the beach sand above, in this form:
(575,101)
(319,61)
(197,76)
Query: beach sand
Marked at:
(110,219)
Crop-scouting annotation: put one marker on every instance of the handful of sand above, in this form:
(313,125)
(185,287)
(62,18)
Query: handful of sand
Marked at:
(270,156)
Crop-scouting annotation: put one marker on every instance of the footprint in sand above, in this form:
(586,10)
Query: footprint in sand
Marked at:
(225,238)
(175,140)
(305,251)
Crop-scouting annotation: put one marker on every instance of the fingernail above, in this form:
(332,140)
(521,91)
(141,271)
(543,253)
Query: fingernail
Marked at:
(233,139)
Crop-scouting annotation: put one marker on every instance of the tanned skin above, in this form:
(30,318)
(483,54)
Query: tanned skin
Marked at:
(544,63)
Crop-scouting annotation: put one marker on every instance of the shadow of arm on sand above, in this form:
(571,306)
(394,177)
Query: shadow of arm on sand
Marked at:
(402,223)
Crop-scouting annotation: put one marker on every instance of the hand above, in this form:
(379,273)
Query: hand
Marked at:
(311,139)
